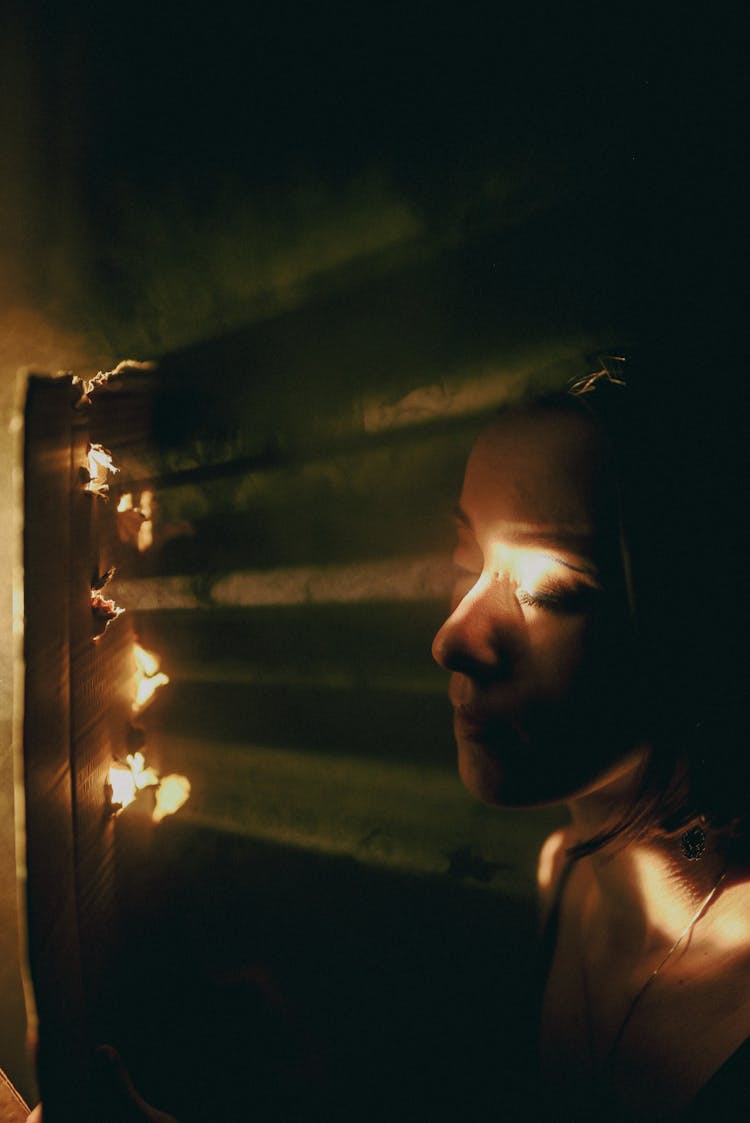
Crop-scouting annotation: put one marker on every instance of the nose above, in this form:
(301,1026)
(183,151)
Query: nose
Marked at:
(483,636)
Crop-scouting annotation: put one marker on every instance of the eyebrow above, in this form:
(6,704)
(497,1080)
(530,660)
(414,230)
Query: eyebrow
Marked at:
(517,534)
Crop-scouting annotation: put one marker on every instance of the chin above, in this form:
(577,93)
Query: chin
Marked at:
(511,772)
(484,779)
(497,777)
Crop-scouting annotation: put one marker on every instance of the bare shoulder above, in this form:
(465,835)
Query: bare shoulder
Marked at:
(550,865)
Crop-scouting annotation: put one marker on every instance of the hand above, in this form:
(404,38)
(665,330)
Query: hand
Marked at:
(116,1090)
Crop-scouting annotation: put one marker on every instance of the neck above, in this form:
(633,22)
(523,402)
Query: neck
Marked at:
(648,890)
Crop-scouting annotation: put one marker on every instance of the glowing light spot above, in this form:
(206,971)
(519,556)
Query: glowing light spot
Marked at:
(125,781)
(148,678)
(145,690)
(143,777)
(135,527)
(533,568)
(146,529)
(100,464)
(146,662)
(525,568)
(173,792)
(145,536)
(122,784)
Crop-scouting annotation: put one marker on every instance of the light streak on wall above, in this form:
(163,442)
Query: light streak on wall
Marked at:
(464,392)
(424,577)
(364,808)
(329,677)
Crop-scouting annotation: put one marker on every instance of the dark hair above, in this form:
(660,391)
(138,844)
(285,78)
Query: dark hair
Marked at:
(677,442)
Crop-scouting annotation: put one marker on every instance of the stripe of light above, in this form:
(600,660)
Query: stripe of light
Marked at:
(420,578)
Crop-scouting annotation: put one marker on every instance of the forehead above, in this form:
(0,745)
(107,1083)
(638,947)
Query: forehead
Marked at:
(549,471)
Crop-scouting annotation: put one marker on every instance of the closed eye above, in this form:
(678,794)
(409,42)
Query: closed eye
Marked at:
(558,597)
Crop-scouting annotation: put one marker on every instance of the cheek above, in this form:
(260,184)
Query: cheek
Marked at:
(560,650)
(569,654)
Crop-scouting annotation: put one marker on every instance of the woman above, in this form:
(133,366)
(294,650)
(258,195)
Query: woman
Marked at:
(597,657)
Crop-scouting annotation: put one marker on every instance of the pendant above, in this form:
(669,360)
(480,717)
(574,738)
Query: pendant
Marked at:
(693,843)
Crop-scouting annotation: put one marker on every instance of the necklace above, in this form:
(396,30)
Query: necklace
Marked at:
(609,1060)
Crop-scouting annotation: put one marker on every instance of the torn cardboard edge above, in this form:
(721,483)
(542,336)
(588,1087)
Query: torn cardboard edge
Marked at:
(19,484)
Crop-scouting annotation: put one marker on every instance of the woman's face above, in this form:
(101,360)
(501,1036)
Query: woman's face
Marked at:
(538,642)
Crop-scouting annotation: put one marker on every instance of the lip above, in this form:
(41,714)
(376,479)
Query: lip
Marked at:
(472,716)
(470,712)
(468,720)
(494,732)
(458,693)
(463,698)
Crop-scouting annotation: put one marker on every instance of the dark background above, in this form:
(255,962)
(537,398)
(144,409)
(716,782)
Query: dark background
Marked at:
(163,157)
(345,232)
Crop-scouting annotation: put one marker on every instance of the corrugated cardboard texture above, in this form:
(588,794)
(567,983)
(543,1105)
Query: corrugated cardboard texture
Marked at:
(76,718)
